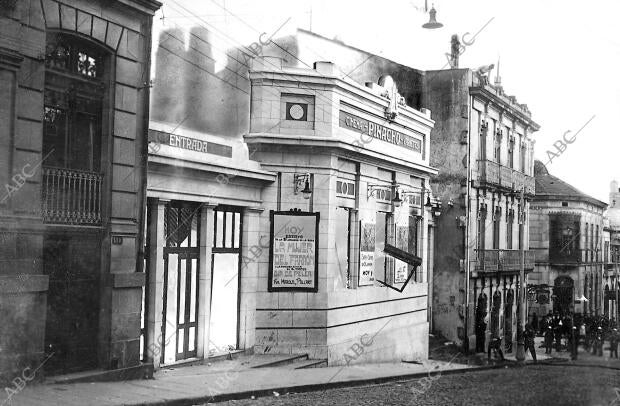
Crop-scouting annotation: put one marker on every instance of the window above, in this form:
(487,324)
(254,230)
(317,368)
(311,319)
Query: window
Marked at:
(414,245)
(496,218)
(380,239)
(509,225)
(71,55)
(343,244)
(586,244)
(390,237)
(482,125)
(521,219)
(523,152)
(497,149)
(74,89)
(511,152)
(482,219)
(606,254)
(596,244)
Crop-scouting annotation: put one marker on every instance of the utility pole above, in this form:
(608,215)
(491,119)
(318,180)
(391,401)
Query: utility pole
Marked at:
(522,288)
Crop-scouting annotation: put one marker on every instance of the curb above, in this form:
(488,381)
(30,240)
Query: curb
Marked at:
(314,387)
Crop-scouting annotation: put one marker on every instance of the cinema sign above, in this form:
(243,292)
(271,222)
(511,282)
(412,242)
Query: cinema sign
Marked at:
(375,130)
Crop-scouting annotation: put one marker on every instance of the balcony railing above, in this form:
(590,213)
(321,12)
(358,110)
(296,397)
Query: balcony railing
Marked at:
(493,174)
(71,196)
(489,172)
(505,178)
(501,260)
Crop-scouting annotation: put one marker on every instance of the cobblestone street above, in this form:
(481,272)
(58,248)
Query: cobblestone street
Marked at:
(558,384)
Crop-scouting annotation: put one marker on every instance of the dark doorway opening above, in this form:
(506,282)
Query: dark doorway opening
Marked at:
(481,325)
(563,295)
(72,262)
(508,320)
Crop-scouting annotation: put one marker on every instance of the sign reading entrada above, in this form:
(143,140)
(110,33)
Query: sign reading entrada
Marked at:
(352,122)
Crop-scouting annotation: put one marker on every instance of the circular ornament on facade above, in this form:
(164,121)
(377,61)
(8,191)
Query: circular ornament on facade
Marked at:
(296,111)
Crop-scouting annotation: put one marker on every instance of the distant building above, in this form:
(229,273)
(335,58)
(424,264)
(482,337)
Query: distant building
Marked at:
(612,252)
(566,232)
(482,146)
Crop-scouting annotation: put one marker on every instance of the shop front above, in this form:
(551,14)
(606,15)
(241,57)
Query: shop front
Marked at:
(346,221)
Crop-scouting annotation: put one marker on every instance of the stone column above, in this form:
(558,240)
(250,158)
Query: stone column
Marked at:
(157,241)
(256,251)
(204,279)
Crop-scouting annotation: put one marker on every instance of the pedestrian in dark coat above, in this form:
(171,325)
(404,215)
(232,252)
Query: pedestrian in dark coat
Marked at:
(614,337)
(548,340)
(530,333)
(535,322)
(544,323)
(574,342)
(558,335)
(598,342)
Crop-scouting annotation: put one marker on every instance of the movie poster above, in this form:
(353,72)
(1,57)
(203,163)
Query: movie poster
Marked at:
(400,267)
(293,259)
(367,254)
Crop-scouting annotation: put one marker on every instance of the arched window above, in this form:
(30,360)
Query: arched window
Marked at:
(75,89)
(74,92)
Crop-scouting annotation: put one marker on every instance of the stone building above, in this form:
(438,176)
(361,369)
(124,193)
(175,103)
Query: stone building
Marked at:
(275,134)
(73,122)
(566,232)
(482,147)
(612,253)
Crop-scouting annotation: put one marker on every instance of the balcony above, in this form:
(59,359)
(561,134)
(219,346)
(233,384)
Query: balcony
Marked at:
(488,172)
(495,175)
(71,197)
(501,261)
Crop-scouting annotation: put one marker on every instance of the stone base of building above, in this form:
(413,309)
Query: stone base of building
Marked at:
(401,342)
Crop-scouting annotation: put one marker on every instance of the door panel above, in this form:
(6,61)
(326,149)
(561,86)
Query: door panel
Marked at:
(181,262)
(72,264)
(224,303)
(225,277)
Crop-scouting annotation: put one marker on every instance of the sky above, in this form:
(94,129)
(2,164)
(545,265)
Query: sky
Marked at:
(561,58)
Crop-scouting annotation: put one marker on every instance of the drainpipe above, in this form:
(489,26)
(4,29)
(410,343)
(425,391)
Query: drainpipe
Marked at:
(145,145)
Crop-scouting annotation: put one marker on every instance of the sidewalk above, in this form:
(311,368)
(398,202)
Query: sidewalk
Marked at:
(236,379)
(222,381)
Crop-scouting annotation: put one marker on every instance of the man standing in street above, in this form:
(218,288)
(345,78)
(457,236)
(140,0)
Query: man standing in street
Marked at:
(574,342)
(548,340)
(613,343)
(558,334)
(597,348)
(530,333)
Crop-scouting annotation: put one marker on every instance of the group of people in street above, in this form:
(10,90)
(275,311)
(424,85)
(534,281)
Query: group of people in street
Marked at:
(568,331)
(565,332)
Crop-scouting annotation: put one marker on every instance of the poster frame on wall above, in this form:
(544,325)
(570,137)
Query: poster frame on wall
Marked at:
(360,281)
(270,286)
